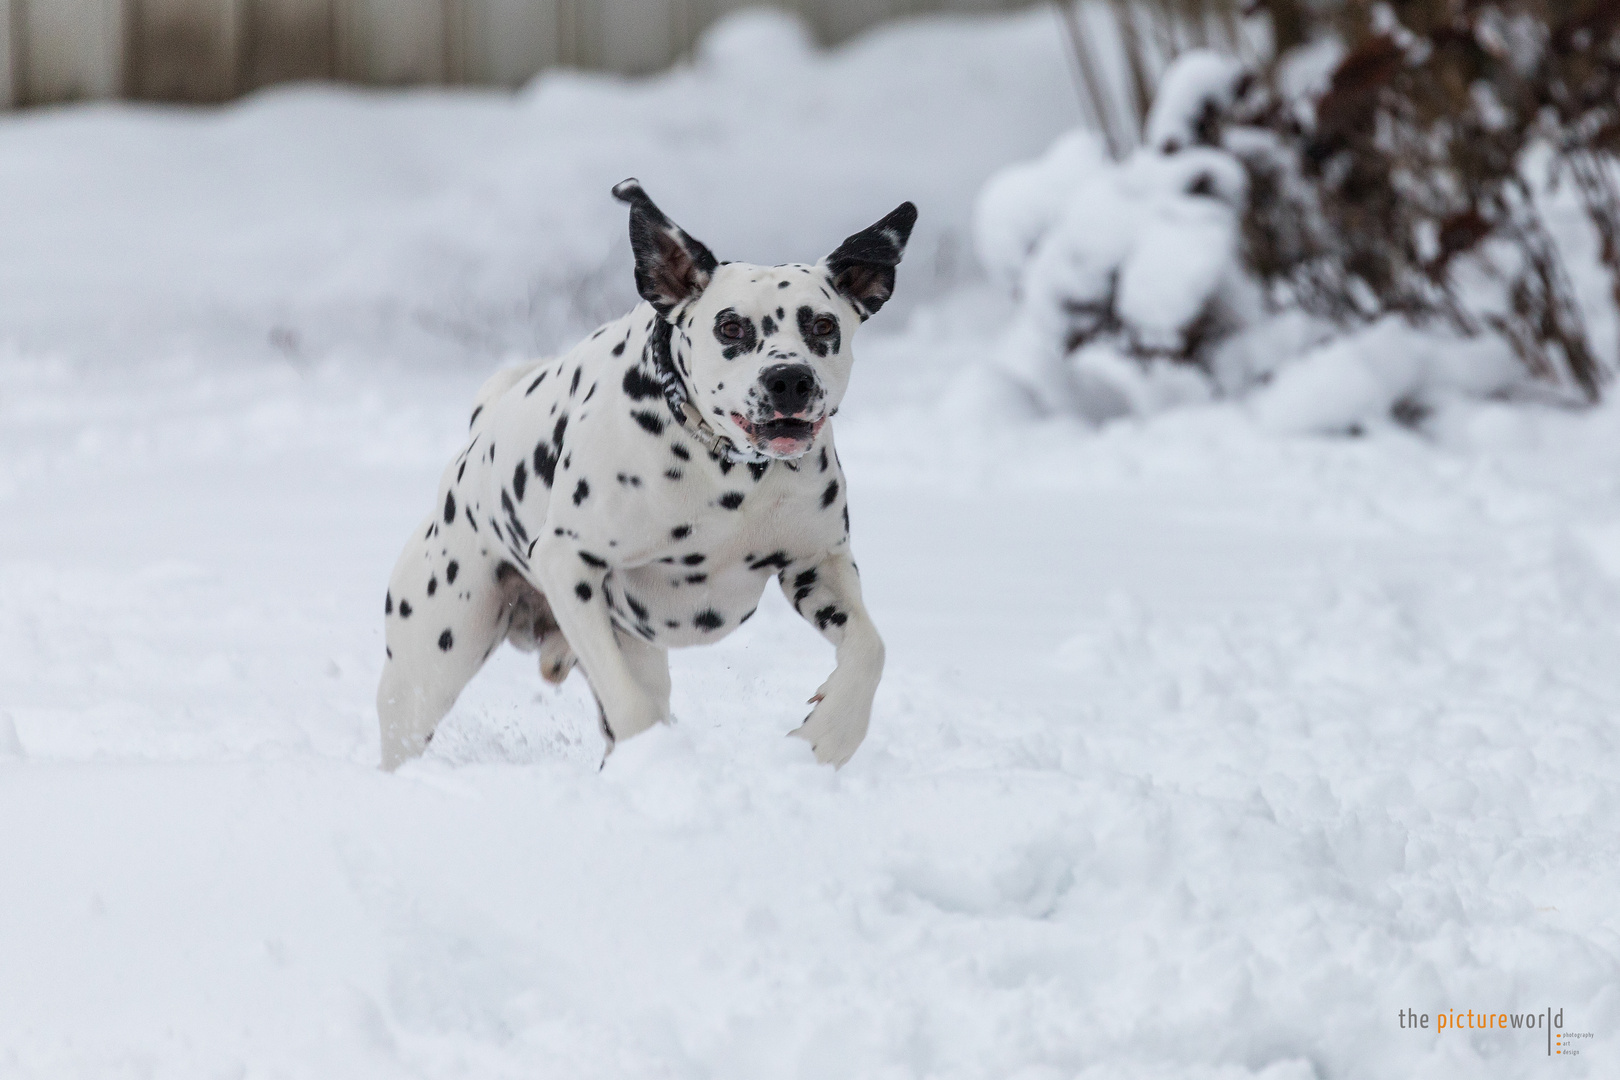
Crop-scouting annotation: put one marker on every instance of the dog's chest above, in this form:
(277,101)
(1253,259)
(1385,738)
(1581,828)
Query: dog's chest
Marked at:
(706,583)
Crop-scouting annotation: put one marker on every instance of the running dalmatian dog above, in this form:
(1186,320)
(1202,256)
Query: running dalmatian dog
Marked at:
(636,494)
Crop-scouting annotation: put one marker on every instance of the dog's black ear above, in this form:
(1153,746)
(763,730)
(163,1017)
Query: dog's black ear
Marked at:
(863,266)
(670,266)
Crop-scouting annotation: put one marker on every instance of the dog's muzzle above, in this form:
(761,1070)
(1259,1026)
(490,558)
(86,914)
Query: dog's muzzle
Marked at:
(782,436)
(786,424)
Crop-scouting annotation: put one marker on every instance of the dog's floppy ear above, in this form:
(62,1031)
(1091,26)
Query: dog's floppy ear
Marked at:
(670,266)
(863,266)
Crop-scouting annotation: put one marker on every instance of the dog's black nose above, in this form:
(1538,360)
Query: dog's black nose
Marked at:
(788,388)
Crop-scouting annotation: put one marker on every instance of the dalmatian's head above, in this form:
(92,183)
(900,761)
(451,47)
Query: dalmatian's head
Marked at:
(763,351)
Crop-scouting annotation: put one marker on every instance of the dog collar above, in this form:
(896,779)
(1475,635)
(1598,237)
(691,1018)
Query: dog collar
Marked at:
(680,402)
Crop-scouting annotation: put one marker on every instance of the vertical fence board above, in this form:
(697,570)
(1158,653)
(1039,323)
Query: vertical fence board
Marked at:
(180,50)
(8,54)
(74,50)
(399,42)
(633,36)
(288,40)
(509,41)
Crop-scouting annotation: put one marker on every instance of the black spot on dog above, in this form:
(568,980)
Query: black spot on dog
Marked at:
(388,604)
(433,585)
(506,504)
(681,532)
(636,606)
(830,494)
(820,344)
(757,469)
(673,624)
(404,609)
(588,395)
(673,474)
(777,560)
(767,325)
(536,384)
(629,481)
(520,480)
(693,559)
(779,313)
(461,471)
(639,386)
(545,462)
(830,614)
(823,460)
(846,519)
(583,591)
(450,507)
(650,421)
(731,500)
(582,491)
(474,418)
(681,452)
(805,579)
(729,322)
(696,579)
(573,386)
(451,571)
(468,512)
(389,651)
(783,284)
(618,350)
(708,619)
(446,641)
(591,560)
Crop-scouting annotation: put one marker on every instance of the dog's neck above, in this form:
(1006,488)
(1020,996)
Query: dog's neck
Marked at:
(661,348)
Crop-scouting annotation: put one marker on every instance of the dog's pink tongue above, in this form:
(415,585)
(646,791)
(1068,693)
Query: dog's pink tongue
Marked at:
(786,445)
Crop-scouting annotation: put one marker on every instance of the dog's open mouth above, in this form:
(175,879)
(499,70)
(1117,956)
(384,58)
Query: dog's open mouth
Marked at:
(783,437)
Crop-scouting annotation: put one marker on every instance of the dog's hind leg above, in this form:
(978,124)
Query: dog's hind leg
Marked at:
(445,612)
(534,627)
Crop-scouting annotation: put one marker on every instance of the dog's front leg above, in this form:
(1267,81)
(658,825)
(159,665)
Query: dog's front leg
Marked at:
(575,587)
(828,594)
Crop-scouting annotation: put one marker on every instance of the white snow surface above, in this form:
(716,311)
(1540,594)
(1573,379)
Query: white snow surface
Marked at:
(1206,744)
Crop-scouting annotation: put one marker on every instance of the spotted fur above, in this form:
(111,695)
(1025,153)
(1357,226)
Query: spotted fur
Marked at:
(616,524)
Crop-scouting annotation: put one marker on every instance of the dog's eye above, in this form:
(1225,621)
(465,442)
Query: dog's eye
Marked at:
(823,326)
(732,329)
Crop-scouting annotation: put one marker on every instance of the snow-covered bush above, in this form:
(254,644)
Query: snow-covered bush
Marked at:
(1457,172)
(1129,274)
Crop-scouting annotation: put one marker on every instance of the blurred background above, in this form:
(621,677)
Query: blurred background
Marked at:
(214,50)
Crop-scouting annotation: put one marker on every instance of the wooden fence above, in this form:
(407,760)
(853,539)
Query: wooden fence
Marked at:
(213,50)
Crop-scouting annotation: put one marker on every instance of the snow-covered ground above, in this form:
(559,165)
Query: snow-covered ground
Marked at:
(1202,751)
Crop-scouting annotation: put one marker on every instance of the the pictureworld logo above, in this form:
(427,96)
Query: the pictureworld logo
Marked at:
(1549,1023)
